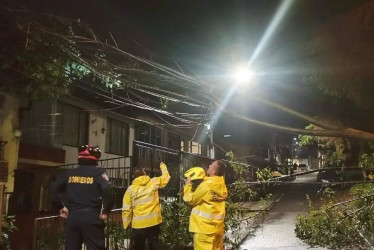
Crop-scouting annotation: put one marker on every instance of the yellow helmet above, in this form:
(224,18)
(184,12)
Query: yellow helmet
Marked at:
(195,173)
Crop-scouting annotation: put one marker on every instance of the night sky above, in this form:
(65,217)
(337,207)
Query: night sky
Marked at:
(206,38)
(205,35)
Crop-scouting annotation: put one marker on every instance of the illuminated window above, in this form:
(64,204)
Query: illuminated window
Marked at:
(195,148)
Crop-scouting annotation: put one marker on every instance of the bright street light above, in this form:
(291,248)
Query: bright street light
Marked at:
(243,75)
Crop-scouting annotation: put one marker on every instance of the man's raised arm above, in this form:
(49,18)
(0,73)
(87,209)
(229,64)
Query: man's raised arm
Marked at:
(162,180)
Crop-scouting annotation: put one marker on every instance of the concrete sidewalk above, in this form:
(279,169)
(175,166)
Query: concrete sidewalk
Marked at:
(276,230)
(248,225)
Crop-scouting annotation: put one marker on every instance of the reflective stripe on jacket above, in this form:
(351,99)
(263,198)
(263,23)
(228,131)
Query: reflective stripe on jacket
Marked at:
(141,204)
(208,201)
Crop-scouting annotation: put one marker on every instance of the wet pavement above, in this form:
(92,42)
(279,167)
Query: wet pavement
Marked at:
(277,230)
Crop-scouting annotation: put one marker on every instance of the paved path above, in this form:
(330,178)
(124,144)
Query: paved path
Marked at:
(277,231)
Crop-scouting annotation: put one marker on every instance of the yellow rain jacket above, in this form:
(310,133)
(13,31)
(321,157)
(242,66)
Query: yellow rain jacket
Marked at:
(141,204)
(208,201)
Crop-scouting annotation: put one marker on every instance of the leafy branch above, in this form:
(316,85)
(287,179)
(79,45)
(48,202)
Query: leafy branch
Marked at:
(340,225)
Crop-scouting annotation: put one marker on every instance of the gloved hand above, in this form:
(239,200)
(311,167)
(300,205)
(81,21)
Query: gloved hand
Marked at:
(188,181)
(162,165)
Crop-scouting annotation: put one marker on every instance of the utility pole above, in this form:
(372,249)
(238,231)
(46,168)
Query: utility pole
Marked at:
(293,148)
(292,155)
(212,155)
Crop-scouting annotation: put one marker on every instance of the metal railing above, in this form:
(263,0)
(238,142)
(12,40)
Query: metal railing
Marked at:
(117,169)
(49,233)
(148,156)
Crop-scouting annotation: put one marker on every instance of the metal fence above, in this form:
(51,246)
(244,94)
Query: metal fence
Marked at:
(31,193)
(148,156)
(49,233)
(119,172)
(117,169)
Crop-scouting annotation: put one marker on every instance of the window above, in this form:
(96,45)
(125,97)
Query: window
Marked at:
(195,148)
(150,134)
(74,124)
(174,142)
(54,124)
(117,137)
(191,147)
(41,124)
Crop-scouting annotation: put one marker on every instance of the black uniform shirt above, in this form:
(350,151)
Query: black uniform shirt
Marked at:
(85,187)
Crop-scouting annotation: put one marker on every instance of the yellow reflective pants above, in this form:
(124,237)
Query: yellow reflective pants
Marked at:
(207,241)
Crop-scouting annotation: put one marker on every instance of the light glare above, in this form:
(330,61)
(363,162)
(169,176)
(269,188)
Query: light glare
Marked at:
(275,22)
(244,75)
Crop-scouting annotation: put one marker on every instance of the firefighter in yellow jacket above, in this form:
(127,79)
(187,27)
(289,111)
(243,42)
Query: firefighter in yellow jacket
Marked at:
(208,212)
(141,207)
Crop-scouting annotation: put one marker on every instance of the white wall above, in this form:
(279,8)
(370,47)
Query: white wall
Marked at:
(71,154)
(97,121)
